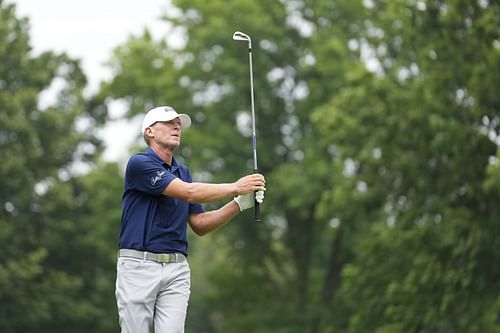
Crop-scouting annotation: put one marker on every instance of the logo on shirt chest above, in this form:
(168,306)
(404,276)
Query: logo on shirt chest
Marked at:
(156,178)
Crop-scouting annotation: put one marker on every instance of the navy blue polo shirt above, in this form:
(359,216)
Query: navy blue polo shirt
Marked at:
(150,220)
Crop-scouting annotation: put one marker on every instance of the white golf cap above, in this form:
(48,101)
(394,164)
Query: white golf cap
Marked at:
(164,113)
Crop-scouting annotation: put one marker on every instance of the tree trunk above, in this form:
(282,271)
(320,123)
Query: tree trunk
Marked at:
(331,282)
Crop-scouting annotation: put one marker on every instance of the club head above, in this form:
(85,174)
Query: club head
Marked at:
(238,35)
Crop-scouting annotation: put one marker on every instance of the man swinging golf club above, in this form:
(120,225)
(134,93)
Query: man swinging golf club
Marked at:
(159,201)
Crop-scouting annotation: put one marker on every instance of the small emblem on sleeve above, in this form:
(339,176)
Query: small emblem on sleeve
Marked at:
(156,178)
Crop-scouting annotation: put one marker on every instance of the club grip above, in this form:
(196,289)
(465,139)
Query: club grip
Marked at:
(257,212)
(257,206)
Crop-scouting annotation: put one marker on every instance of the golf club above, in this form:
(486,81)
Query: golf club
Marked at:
(240,36)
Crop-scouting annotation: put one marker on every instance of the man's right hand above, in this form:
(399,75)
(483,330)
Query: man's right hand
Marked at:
(250,183)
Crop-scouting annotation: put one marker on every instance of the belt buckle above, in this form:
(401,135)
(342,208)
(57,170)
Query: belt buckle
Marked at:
(163,258)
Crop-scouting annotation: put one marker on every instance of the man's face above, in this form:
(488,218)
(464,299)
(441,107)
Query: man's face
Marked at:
(167,133)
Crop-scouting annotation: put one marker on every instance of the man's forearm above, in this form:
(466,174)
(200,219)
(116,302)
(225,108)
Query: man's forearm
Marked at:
(200,192)
(204,192)
(206,222)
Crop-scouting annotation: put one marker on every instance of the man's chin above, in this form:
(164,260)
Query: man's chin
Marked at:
(174,144)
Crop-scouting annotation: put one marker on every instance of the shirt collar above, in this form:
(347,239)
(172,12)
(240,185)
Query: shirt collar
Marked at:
(153,154)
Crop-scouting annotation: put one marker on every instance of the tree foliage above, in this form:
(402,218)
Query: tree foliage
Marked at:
(54,263)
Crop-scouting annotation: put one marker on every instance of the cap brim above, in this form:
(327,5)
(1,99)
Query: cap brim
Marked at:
(185,120)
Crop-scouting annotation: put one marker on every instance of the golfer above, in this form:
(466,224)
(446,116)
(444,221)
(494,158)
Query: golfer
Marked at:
(159,200)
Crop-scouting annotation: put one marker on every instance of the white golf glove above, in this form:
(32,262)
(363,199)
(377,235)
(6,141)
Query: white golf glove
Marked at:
(246,201)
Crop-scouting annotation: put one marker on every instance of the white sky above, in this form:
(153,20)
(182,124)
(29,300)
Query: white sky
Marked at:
(89,30)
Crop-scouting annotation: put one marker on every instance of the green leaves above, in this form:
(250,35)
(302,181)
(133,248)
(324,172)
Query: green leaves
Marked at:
(46,283)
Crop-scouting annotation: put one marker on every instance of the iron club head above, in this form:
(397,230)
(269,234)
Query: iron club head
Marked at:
(238,35)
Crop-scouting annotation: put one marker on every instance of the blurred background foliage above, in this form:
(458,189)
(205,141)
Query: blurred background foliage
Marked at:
(378,132)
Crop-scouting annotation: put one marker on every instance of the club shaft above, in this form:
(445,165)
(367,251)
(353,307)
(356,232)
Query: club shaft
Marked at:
(252,101)
(254,134)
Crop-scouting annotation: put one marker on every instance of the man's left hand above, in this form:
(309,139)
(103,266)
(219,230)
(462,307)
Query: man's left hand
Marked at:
(246,201)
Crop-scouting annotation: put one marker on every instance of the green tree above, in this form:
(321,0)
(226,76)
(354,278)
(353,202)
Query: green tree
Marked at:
(55,272)
(421,137)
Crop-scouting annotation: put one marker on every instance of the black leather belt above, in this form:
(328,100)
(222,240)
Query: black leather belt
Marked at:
(163,258)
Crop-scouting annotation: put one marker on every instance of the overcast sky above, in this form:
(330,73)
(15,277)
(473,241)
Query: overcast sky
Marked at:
(89,30)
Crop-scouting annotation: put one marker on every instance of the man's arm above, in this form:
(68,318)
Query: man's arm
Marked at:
(204,192)
(203,223)
(206,222)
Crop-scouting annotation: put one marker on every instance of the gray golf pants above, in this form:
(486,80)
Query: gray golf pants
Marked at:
(152,295)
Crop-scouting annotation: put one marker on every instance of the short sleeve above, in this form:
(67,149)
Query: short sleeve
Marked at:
(147,175)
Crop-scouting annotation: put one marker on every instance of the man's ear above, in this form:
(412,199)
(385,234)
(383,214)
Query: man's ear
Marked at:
(148,132)
(148,135)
